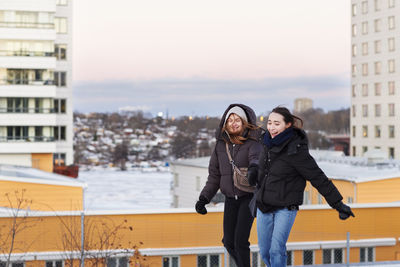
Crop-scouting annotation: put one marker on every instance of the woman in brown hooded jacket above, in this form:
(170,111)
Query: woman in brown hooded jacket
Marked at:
(238,130)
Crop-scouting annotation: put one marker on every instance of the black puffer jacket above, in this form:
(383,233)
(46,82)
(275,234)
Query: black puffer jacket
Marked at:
(286,169)
(220,170)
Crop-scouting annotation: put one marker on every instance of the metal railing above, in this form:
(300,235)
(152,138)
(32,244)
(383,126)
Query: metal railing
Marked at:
(27,139)
(20,53)
(26,82)
(27,110)
(20,24)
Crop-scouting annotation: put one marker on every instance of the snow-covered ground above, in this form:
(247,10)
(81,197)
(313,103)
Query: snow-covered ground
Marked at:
(116,190)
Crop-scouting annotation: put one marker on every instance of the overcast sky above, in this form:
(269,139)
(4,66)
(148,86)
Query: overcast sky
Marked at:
(195,57)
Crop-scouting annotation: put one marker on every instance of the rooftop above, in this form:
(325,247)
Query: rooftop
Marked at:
(31,175)
(335,165)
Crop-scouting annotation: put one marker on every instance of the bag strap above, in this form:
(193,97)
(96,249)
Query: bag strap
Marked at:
(229,155)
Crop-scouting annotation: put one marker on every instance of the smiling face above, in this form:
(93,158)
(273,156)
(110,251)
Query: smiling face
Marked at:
(276,124)
(234,124)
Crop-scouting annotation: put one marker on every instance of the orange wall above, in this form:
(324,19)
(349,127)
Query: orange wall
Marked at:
(43,161)
(44,197)
(191,230)
(387,190)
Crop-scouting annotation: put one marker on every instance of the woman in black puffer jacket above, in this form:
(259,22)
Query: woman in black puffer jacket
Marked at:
(284,167)
(237,130)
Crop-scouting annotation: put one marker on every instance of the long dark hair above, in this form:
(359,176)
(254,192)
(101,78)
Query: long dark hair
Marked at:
(289,117)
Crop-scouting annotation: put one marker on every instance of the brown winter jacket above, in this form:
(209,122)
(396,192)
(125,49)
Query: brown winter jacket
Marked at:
(220,170)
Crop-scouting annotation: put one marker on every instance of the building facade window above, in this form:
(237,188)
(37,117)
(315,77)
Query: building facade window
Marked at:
(210,260)
(378,67)
(364,27)
(59,133)
(289,259)
(354,10)
(354,131)
(377,25)
(306,198)
(354,70)
(378,89)
(364,47)
(332,256)
(378,110)
(170,261)
(59,158)
(61,25)
(391,153)
(62,2)
(365,131)
(391,88)
(391,109)
(364,7)
(60,51)
(391,23)
(391,3)
(367,254)
(377,131)
(60,105)
(308,257)
(59,263)
(353,90)
(365,110)
(118,262)
(60,78)
(378,46)
(364,89)
(364,69)
(353,110)
(377,5)
(354,151)
(391,131)
(391,66)
(354,30)
(354,50)
(364,149)
(391,44)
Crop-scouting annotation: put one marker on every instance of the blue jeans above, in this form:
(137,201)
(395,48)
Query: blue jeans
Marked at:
(273,229)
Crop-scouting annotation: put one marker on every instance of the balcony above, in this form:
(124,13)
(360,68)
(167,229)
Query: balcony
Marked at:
(19,139)
(33,144)
(27,60)
(28,119)
(30,25)
(41,32)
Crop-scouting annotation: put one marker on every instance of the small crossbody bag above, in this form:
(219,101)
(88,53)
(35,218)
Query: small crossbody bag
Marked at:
(239,175)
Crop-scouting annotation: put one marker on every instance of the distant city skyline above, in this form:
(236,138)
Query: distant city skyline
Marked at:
(133,53)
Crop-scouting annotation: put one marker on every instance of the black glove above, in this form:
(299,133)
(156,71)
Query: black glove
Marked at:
(201,205)
(252,174)
(344,210)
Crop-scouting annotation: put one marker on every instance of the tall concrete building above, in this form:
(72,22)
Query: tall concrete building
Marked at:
(302,104)
(375,97)
(35,83)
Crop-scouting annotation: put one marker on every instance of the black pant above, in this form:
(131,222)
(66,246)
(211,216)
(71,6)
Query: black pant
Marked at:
(237,227)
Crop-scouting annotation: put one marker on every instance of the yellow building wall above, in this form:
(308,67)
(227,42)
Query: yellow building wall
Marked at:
(42,197)
(387,190)
(42,161)
(177,230)
(346,188)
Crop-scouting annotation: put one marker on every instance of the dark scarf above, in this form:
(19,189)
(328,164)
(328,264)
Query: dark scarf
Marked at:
(279,139)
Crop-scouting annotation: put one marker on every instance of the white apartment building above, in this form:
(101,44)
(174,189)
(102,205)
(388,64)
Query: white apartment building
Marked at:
(36,115)
(375,83)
